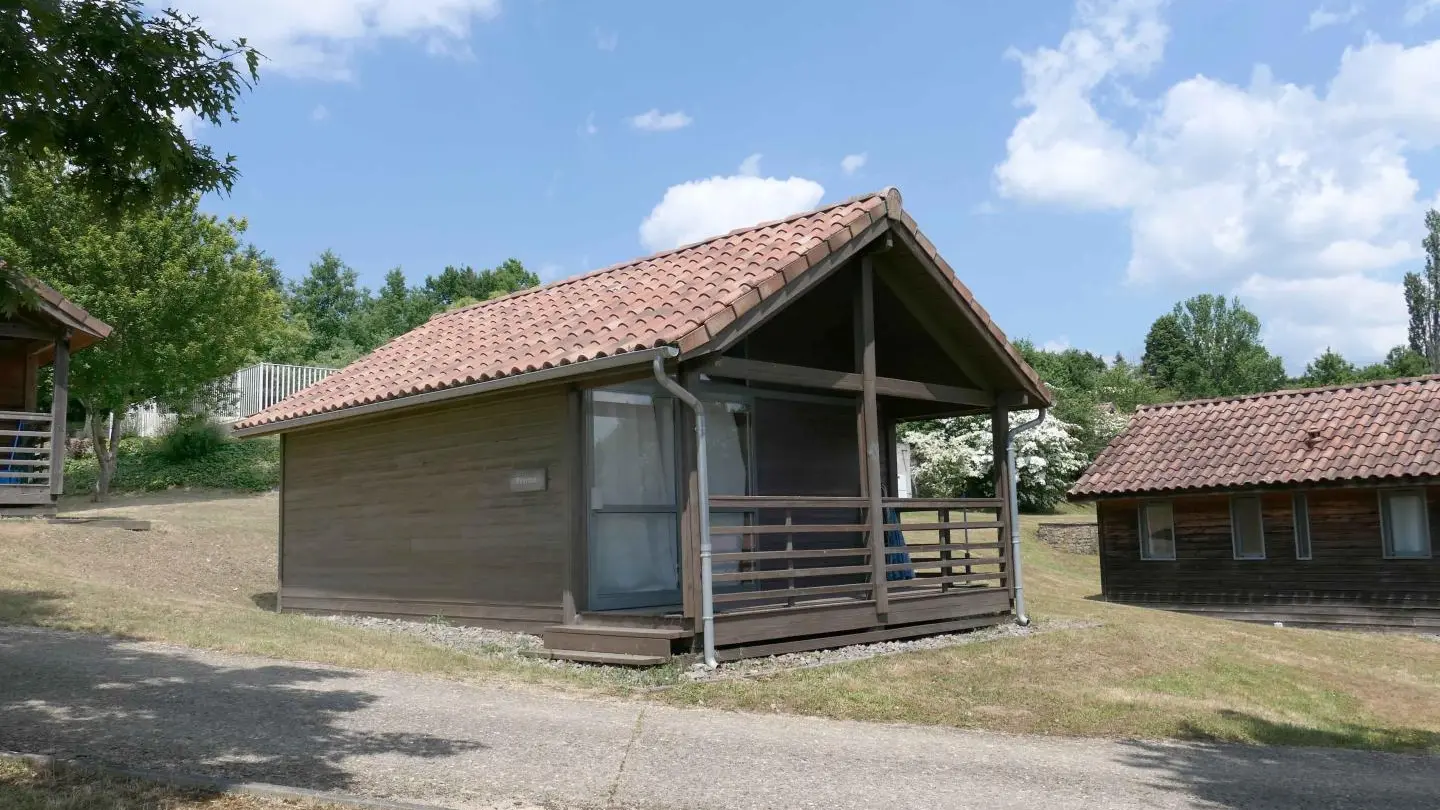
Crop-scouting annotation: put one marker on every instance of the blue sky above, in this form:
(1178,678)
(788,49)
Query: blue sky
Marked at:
(1082,167)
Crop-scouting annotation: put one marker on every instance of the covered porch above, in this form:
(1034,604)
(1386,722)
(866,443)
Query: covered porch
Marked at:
(786,533)
(44,332)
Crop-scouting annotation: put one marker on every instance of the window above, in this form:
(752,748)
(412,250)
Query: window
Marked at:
(1301,514)
(1247,527)
(1403,523)
(1157,531)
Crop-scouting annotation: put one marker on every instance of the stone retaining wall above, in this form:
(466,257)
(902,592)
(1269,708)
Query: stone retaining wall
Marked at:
(1076,538)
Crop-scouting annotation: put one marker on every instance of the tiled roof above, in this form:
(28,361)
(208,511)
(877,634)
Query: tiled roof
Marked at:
(683,297)
(1382,430)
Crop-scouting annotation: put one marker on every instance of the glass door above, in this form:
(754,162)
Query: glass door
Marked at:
(634,510)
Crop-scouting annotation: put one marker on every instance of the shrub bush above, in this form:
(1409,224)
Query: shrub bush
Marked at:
(252,465)
(193,438)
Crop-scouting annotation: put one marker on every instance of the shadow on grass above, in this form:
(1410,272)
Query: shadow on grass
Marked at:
(1281,773)
(103,700)
(265,601)
(29,607)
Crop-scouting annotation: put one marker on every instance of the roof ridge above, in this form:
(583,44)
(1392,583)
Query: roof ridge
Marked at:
(887,190)
(1290,392)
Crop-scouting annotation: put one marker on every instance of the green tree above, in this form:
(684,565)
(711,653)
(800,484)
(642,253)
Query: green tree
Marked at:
(1330,368)
(1210,347)
(398,308)
(332,306)
(1092,398)
(454,284)
(188,302)
(1400,361)
(1422,297)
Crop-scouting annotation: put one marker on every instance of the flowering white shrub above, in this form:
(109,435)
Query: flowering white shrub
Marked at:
(954,458)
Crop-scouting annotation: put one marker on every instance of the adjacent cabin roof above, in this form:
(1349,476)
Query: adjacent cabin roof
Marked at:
(683,298)
(1381,431)
(85,328)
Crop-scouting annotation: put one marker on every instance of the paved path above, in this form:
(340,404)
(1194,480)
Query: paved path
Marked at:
(157,707)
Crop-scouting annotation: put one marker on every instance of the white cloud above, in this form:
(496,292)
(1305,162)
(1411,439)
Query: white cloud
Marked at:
(853,163)
(319,38)
(188,121)
(320,113)
(1418,10)
(750,166)
(1059,344)
(590,128)
(607,41)
(1323,17)
(1357,315)
(1257,186)
(656,121)
(701,209)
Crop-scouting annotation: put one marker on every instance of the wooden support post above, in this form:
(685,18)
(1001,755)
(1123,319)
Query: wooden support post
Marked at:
(790,561)
(945,568)
(57,415)
(1000,429)
(280,535)
(32,381)
(870,408)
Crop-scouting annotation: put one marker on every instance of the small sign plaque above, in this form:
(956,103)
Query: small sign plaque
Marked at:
(528,480)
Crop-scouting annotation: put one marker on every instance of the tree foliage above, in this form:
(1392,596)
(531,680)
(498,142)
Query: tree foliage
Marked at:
(331,320)
(189,302)
(955,458)
(1422,298)
(1330,369)
(1210,347)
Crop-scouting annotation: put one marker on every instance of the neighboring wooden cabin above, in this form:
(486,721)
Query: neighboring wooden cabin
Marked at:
(518,463)
(32,442)
(1316,507)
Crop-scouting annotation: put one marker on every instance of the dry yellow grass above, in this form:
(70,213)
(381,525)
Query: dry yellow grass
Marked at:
(201,577)
(1132,672)
(22,787)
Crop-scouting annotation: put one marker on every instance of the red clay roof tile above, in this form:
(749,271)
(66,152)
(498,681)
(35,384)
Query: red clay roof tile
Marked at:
(1376,430)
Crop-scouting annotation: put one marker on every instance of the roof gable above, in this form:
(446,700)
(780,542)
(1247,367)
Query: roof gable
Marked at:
(689,297)
(1372,431)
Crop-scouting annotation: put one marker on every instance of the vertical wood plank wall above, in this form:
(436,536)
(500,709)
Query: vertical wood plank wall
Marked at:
(1347,563)
(412,514)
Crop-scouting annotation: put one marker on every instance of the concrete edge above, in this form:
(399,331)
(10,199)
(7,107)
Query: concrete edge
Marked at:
(45,762)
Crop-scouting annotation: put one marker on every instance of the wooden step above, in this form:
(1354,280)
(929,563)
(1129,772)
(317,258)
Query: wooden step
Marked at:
(644,641)
(611,658)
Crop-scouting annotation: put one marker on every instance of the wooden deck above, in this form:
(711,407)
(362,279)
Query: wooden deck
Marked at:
(805,577)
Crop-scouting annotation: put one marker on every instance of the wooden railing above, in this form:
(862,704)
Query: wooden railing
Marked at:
(25,449)
(793,549)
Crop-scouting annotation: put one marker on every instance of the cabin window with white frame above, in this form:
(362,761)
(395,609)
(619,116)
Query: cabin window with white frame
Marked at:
(1404,524)
(1247,527)
(1301,514)
(1157,531)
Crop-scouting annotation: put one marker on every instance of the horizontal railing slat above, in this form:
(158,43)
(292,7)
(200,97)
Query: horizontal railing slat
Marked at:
(944,503)
(26,416)
(922,548)
(780,528)
(953,562)
(797,554)
(30,434)
(791,573)
(930,527)
(790,593)
(950,580)
(43,450)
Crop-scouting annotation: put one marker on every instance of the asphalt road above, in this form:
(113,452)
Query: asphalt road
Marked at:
(416,739)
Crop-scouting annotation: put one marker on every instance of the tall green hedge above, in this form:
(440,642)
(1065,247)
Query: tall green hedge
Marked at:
(252,465)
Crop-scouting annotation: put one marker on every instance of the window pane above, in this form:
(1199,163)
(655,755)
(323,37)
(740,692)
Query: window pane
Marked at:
(1247,528)
(727,444)
(1159,540)
(634,452)
(1302,526)
(634,553)
(1405,525)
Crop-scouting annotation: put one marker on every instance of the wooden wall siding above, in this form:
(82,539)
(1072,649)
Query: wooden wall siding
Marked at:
(415,511)
(12,375)
(1347,556)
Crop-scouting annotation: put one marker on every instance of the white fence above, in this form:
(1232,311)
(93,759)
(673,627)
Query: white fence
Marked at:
(254,389)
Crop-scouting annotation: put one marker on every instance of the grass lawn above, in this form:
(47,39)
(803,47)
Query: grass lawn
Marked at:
(201,576)
(22,787)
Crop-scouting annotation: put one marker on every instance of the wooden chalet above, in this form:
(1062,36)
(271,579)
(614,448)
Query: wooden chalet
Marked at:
(534,462)
(1314,507)
(45,330)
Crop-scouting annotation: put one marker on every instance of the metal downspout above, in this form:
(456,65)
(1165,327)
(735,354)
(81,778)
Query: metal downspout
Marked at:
(702,471)
(1021,618)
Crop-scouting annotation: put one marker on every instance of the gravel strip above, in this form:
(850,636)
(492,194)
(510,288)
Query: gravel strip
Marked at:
(503,644)
(756,667)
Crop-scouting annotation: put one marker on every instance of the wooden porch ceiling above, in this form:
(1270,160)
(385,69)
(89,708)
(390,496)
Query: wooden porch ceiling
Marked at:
(805,377)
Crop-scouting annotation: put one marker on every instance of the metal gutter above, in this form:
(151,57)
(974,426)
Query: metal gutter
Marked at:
(551,374)
(702,473)
(1021,617)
